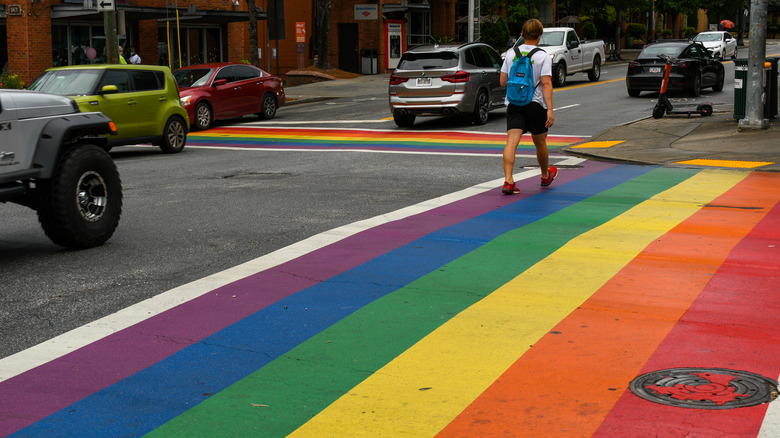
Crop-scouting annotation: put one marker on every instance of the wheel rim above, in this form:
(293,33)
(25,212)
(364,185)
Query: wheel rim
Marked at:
(92,196)
(269,106)
(483,106)
(203,116)
(176,134)
(561,75)
(596,69)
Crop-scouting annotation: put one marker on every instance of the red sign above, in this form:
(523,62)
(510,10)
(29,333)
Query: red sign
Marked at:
(300,32)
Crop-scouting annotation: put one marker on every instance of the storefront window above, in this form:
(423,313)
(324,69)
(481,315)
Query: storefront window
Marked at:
(71,44)
(419,28)
(3,47)
(198,44)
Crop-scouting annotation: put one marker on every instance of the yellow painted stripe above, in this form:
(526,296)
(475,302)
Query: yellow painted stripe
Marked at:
(574,87)
(428,385)
(597,144)
(728,163)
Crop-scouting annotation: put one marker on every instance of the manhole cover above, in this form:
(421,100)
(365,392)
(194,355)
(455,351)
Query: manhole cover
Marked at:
(705,388)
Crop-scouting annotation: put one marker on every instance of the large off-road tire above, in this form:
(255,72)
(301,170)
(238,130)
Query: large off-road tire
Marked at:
(404,121)
(559,74)
(80,205)
(595,73)
(268,107)
(481,108)
(203,116)
(174,135)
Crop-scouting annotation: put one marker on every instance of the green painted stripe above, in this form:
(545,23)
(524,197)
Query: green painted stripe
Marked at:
(289,391)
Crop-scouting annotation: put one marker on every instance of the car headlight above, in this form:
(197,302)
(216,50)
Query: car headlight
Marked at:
(185,100)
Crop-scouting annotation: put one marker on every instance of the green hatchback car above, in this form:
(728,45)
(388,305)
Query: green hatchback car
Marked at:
(143,100)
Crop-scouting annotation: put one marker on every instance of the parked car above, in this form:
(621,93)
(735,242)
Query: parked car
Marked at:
(570,54)
(142,100)
(217,91)
(446,80)
(695,70)
(719,43)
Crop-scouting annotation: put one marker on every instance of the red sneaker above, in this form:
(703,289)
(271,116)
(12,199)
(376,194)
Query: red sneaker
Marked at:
(510,189)
(552,172)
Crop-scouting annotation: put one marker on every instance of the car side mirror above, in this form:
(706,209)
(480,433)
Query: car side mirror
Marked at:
(218,82)
(109,89)
(574,44)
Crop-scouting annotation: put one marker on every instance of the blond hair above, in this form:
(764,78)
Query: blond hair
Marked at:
(532,29)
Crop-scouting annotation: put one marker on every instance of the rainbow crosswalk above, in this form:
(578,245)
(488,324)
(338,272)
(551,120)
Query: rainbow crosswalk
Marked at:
(363,139)
(476,314)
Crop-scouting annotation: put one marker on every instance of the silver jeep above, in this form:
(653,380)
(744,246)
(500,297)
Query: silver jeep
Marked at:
(53,161)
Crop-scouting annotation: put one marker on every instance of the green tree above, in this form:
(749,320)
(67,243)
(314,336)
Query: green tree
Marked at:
(494,31)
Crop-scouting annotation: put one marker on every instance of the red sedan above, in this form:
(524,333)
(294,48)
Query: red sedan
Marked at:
(223,90)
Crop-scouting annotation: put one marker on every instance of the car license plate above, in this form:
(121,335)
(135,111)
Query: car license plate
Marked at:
(655,69)
(423,82)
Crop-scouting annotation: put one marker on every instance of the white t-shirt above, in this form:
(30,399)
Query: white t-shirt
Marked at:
(542,64)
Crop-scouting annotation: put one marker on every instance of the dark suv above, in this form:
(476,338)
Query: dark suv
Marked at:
(446,80)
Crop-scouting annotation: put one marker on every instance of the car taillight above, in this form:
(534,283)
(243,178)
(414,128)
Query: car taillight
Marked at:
(395,80)
(460,76)
(634,64)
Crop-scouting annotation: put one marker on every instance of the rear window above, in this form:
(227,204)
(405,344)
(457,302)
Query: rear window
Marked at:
(660,49)
(427,61)
(145,80)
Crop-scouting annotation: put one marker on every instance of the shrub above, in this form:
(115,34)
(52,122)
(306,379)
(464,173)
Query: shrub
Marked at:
(11,81)
(589,30)
(495,32)
(688,32)
(636,30)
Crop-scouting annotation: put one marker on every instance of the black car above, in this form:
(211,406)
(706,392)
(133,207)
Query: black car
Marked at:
(694,69)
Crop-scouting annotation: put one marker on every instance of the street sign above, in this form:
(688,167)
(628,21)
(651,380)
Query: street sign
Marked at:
(106,5)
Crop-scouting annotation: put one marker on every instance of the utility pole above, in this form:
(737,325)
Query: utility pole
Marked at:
(471,21)
(754,105)
(108,7)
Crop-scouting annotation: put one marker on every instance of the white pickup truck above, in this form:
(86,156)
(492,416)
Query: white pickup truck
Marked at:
(571,55)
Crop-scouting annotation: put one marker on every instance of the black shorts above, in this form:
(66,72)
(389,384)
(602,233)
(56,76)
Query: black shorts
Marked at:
(530,118)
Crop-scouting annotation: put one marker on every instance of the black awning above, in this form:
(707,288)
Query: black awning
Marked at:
(135,13)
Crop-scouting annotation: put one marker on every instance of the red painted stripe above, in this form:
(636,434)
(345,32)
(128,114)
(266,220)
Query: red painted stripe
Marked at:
(733,324)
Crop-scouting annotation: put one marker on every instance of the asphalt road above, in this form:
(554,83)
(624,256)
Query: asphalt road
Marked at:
(192,214)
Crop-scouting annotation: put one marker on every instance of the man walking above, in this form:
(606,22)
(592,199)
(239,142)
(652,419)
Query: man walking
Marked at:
(537,116)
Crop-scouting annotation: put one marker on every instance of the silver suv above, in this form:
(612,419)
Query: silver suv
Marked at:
(446,80)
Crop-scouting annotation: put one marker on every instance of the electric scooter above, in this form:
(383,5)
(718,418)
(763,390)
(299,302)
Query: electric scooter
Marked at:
(665,106)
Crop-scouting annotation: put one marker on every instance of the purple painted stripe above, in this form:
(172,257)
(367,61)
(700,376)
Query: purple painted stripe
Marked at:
(51,387)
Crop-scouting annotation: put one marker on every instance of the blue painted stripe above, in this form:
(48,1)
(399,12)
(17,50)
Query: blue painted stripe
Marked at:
(154,396)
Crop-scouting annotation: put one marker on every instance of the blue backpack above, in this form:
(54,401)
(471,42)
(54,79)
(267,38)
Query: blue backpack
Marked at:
(520,85)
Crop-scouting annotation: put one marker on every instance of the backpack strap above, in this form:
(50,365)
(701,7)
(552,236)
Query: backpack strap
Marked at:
(530,57)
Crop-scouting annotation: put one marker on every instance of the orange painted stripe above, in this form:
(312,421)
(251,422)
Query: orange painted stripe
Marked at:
(568,381)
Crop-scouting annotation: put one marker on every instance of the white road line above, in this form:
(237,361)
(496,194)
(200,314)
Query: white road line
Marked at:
(77,338)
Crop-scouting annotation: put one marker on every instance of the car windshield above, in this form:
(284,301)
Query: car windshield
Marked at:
(708,37)
(653,51)
(67,82)
(551,39)
(426,61)
(192,77)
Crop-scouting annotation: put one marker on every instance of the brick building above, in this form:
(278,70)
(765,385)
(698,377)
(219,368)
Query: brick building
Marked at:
(38,34)
(365,36)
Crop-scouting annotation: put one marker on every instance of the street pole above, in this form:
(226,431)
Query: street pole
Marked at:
(112,45)
(471,21)
(754,105)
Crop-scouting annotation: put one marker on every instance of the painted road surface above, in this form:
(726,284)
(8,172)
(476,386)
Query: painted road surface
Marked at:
(474,314)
